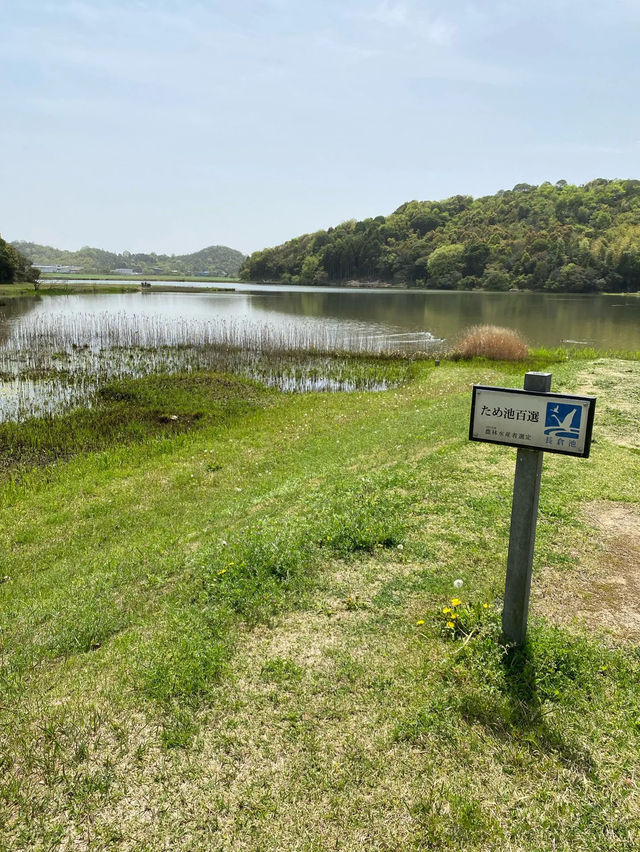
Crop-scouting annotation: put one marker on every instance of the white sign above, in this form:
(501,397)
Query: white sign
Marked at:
(554,422)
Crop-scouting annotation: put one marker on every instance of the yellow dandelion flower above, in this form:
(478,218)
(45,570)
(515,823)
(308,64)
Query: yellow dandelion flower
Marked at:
(485,606)
(455,601)
(450,624)
(421,621)
(446,610)
(224,571)
(453,616)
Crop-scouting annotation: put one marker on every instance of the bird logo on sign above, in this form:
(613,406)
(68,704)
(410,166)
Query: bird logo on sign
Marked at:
(563,420)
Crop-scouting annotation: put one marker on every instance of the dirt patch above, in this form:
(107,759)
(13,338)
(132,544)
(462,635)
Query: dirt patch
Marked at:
(617,386)
(604,591)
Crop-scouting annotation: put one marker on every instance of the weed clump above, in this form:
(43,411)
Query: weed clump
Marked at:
(492,342)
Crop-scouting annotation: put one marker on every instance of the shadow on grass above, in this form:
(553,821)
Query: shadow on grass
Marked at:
(522,714)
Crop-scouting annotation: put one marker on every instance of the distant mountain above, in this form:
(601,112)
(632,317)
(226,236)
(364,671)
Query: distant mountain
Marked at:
(214,260)
(549,237)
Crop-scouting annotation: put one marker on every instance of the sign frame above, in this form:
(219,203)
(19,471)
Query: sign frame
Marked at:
(548,396)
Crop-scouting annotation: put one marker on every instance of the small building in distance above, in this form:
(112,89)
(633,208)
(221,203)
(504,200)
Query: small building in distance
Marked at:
(57,267)
(124,272)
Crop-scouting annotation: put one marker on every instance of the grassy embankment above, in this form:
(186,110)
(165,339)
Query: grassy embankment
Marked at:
(68,287)
(225,630)
(55,288)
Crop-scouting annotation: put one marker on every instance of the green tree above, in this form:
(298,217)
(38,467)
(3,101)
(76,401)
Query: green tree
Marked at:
(495,278)
(14,266)
(310,268)
(475,257)
(445,266)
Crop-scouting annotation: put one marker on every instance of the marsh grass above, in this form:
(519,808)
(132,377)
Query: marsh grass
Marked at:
(57,332)
(129,410)
(168,400)
(56,363)
(562,354)
(43,381)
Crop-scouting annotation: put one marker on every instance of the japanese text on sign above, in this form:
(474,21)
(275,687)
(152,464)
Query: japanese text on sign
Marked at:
(557,423)
(511,413)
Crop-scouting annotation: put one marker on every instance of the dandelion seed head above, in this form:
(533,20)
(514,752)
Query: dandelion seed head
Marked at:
(458,584)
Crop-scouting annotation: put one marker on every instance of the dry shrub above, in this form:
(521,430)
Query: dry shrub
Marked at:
(493,342)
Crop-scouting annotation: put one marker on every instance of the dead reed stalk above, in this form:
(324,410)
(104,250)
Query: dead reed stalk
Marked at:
(492,342)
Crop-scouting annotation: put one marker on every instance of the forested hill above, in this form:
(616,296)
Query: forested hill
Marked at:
(214,260)
(547,237)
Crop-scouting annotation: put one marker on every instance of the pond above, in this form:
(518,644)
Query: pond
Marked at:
(348,318)
(56,350)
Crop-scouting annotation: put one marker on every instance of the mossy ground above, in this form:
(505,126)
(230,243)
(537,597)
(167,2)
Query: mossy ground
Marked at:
(228,634)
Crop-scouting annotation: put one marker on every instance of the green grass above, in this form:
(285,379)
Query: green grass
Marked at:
(226,632)
(58,285)
(581,353)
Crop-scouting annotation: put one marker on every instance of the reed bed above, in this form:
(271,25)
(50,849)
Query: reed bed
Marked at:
(106,331)
(56,362)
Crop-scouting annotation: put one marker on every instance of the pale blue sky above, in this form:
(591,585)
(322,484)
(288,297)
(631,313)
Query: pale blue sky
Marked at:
(167,126)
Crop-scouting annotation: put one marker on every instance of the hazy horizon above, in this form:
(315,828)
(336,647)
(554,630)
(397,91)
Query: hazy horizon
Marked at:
(119,251)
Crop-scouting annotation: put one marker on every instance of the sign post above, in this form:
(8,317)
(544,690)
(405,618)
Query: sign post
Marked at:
(522,537)
(535,421)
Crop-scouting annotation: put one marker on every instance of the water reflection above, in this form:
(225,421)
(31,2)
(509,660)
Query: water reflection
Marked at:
(12,310)
(607,322)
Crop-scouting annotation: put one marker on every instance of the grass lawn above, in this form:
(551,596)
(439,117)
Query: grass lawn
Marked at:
(223,627)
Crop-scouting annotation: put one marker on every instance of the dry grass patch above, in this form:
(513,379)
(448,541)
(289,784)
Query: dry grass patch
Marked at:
(603,592)
(616,383)
(492,342)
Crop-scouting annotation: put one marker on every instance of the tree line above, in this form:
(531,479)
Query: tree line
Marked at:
(14,266)
(552,237)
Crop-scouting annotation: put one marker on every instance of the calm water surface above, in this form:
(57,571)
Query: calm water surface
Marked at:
(389,317)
